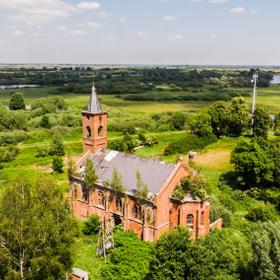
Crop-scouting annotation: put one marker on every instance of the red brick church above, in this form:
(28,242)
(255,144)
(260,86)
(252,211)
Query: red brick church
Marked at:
(149,217)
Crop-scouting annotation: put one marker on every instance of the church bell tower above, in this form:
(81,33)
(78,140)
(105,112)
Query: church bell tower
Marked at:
(94,125)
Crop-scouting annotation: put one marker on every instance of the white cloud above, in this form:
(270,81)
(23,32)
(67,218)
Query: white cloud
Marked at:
(37,12)
(142,34)
(122,19)
(34,12)
(89,6)
(169,18)
(90,24)
(17,32)
(238,10)
(177,37)
(78,32)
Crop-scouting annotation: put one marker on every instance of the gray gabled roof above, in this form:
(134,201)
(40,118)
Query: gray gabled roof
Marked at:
(154,173)
(93,104)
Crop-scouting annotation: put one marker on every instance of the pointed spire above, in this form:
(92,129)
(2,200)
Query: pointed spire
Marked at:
(94,105)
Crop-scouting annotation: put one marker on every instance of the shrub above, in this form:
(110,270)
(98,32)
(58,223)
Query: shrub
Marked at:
(45,122)
(49,104)
(41,152)
(57,147)
(129,260)
(92,225)
(7,139)
(57,165)
(178,120)
(262,213)
(8,153)
(191,142)
(16,102)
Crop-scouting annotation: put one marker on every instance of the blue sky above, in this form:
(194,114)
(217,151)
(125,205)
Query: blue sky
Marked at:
(140,31)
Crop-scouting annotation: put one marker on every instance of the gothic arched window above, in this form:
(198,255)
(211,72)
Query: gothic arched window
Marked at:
(101,199)
(190,221)
(100,128)
(202,218)
(137,210)
(118,204)
(88,132)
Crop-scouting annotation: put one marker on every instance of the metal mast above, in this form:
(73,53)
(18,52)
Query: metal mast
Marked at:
(255,78)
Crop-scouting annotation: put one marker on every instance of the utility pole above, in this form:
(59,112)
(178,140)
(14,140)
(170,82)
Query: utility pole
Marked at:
(255,78)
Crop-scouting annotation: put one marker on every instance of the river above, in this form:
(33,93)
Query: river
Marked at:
(276,80)
(17,86)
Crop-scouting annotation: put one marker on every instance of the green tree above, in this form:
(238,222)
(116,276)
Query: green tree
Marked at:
(238,118)
(266,252)
(142,189)
(45,122)
(57,164)
(261,122)
(251,162)
(71,168)
(219,114)
(129,260)
(117,184)
(200,125)
(36,231)
(263,213)
(90,174)
(171,254)
(219,256)
(57,147)
(92,225)
(178,120)
(16,102)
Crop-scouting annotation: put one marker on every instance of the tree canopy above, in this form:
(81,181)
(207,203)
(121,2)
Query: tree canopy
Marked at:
(252,164)
(36,231)
(90,174)
(16,102)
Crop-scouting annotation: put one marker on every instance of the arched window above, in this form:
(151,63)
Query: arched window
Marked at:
(101,200)
(118,204)
(100,128)
(202,218)
(137,210)
(88,132)
(75,192)
(190,221)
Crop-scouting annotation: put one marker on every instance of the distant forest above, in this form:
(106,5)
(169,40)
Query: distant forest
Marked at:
(143,84)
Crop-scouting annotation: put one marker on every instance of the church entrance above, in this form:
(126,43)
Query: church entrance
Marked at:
(117,219)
